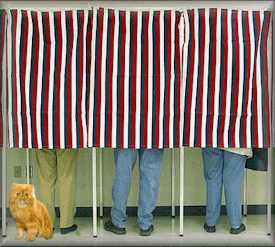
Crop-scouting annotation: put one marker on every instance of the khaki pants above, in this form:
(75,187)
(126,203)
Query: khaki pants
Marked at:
(61,164)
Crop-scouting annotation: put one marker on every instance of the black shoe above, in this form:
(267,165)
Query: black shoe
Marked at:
(209,228)
(238,230)
(146,232)
(68,229)
(109,226)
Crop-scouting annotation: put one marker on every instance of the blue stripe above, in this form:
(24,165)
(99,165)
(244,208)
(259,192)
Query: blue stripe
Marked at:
(23,113)
(119,74)
(154,105)
(108,76)
(78,78)
(131,87)
(43,91)
(188,87)
(66,113)
(166,73)
(142,112)
(56,89)
(33,62)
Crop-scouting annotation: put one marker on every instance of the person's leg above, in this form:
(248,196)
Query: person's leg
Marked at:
(232,177)
(150,165)
(213,169)
(125,160)
(47,171)
(66,169)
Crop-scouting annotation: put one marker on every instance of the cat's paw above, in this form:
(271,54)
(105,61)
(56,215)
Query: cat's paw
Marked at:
(19,237)
(30,239)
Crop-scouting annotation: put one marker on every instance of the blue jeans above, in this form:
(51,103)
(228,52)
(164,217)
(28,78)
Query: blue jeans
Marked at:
(223,168)
(150,164)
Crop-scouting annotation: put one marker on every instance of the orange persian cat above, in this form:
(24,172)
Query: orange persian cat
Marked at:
(30,214)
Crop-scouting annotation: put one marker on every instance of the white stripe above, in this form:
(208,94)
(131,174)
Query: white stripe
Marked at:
(92,82)
(114,114)
(138,84)
(182,90)
(205,79)
(9,64)
(126,81)
(252,55)
(51,77)
(39,79)
(19,112)
(103,77)
(217,79)
(172,81)
(28,71)
(162,78)
(195,79)
(62,80)
(229,81)
(241,77)
(73,116)
(83,108)
(150,81)
(259,86)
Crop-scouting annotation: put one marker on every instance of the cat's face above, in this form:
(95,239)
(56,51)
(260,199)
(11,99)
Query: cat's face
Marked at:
(22,194)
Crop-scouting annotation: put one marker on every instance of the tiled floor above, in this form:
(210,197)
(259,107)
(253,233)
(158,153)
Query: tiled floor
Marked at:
(166,233)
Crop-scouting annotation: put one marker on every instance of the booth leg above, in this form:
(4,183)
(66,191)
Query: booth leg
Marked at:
(269,190)
(94,194)
(245,193)
(181,189)
(173,182)
(28,166)
(100,184)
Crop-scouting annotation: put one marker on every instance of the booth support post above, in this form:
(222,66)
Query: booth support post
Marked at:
(94,194)
(100,184)
(173,182)
(245,193)
(269,189)
(181,189)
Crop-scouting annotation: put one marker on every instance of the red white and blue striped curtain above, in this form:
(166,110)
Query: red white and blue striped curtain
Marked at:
(227,74)
(138,79)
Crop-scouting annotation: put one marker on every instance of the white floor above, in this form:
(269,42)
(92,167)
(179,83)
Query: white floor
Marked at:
(166,233)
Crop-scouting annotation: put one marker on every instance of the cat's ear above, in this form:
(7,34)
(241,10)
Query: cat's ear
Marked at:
(13,185)
(31,186)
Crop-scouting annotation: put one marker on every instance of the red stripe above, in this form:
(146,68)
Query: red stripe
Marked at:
(69,89)
(178,82)
(47,46)
(169,62)
(110,82)
(134,86)
(201,71)
(81,71)
(122,67)
(98,120)
(158,51)
(224,78)
(146,67)
(191,78)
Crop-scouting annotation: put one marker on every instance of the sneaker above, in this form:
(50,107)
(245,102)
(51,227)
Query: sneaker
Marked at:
(109,226)
(68,229)
(238,230)
(146,232)
(209,228)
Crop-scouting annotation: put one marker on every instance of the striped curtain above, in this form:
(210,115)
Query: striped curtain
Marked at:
(227,78)
(137,79)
